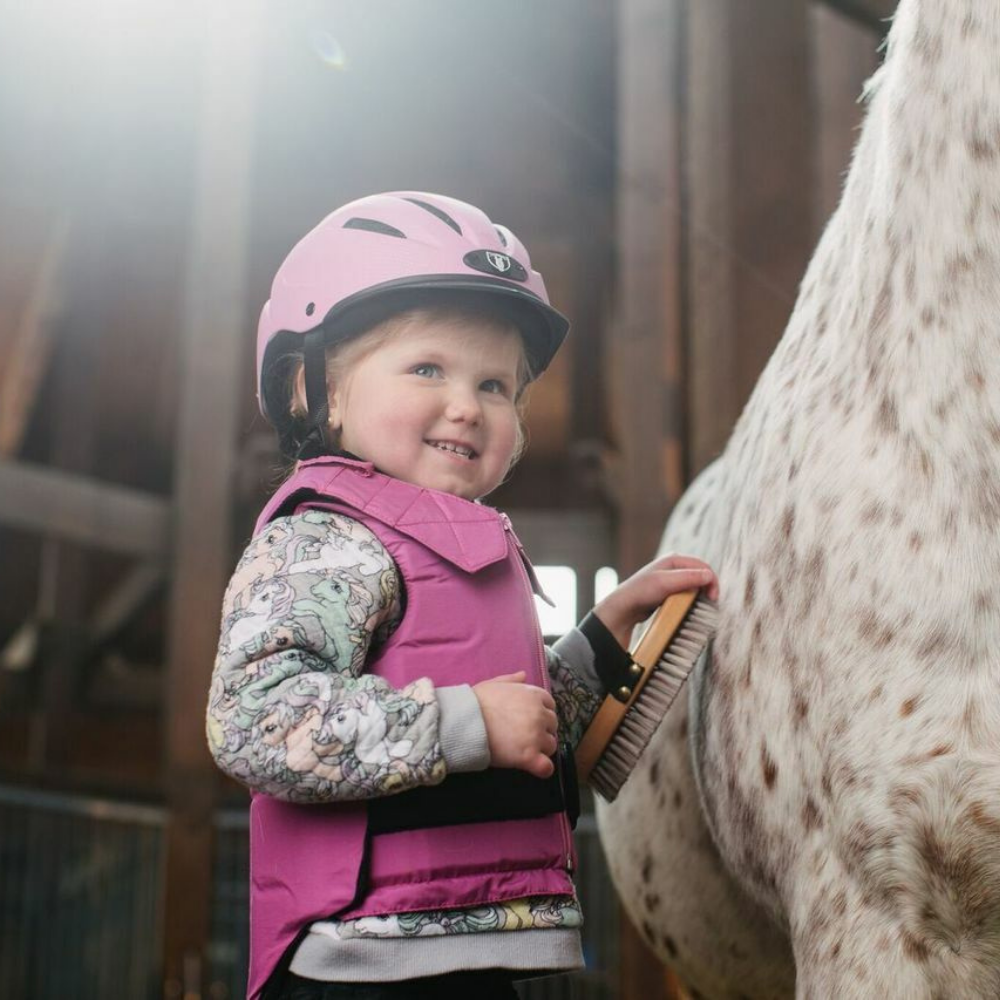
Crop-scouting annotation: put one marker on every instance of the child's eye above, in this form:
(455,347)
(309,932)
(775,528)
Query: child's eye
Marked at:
(494,385)
(427,370)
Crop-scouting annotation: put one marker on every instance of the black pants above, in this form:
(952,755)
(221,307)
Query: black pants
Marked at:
(490,985)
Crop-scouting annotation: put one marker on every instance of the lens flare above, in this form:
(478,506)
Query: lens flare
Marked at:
(328,49)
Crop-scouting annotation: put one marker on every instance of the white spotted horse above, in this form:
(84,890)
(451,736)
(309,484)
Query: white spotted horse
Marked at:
(822,818)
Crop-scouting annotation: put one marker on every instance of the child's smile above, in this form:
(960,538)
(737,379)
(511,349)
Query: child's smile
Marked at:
(434,406)
(455,448)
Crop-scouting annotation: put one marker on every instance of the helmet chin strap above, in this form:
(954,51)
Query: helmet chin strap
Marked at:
(317,401)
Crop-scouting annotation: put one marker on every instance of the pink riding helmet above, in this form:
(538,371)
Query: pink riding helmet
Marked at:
(385,253)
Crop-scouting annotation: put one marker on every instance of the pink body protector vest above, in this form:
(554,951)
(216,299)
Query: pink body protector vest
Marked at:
(469,616)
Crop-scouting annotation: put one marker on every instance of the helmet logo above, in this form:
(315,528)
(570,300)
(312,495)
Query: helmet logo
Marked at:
(495,263)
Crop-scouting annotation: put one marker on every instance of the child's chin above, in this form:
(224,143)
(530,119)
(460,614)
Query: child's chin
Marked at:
(461,490)
(463,493)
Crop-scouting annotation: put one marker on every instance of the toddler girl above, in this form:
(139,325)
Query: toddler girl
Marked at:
(381,683)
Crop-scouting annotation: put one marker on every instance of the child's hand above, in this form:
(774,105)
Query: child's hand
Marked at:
(521,723)
(642,593)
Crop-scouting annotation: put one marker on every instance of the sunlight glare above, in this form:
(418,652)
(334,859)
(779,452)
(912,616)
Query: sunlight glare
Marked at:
(559,583)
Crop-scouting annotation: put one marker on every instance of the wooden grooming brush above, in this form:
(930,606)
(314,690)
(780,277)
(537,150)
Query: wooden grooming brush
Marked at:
(624,724)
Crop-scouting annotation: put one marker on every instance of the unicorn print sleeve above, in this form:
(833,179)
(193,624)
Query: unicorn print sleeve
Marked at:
(291,712)
(576,688)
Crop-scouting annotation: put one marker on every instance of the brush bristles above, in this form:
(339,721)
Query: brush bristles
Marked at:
(654,700)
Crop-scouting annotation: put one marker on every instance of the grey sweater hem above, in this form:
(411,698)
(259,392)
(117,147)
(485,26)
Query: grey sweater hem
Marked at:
(369,959)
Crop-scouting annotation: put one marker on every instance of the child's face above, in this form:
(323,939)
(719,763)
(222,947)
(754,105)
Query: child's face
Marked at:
(434,405)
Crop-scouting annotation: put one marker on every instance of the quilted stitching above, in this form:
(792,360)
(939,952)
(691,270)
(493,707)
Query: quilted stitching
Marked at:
(482,545)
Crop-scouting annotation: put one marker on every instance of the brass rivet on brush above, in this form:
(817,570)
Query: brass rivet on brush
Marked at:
(624,693)
(635,669)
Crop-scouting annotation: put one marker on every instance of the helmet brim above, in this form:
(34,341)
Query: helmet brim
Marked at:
(542,328)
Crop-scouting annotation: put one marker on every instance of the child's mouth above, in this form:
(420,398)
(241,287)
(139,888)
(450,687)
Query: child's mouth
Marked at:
(461,450)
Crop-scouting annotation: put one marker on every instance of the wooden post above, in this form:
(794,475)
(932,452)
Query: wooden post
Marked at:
(215,335)
(73,432)
(645,347)
(750,178)
(592,177)
(647,412)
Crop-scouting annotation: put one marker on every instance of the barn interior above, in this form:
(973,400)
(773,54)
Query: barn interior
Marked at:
(669,163)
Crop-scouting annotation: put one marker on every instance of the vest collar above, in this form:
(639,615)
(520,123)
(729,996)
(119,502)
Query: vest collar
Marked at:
(468,535)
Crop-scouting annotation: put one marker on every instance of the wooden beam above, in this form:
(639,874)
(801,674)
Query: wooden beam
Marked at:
(77,508)
(28,359)
(214,344)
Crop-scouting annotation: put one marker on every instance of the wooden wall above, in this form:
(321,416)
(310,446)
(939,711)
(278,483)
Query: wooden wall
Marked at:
(669,163)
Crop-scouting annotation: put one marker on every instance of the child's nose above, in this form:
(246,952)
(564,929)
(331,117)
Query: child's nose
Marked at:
(463,405)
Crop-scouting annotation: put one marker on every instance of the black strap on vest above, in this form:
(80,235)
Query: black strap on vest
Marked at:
(480,797)
(293,501)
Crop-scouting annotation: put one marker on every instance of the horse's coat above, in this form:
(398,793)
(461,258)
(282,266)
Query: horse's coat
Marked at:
(844,805)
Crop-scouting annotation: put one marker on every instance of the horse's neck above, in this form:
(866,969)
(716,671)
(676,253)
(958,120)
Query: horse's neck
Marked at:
(931,145)
(904,290)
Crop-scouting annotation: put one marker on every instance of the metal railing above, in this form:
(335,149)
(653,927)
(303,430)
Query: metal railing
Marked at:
(81,896)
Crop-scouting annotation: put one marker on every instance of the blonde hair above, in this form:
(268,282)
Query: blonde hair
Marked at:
(342,357)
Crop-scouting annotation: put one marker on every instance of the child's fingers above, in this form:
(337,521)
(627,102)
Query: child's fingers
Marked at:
(515,678)
(680,578)
(687,579)
(669,563)
(664,582)
(675,563)
(679,562)
(540,766)
(551,721)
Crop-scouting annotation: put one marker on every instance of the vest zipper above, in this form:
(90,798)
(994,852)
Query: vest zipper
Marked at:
(567,834)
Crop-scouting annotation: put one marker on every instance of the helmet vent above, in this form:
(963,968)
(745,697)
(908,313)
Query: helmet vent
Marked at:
(434,210)
(503,239)
(374,226)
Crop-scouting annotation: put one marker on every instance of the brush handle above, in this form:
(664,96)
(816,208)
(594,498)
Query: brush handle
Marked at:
(646,652)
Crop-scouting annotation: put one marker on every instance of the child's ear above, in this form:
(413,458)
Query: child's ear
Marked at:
(336,418)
